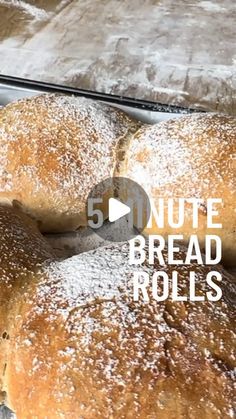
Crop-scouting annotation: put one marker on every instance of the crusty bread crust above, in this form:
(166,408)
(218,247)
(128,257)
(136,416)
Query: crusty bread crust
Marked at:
(23,251)
(190,157)
(81,347)
(53,150)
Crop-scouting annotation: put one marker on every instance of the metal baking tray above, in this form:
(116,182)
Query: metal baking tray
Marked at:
(14,88)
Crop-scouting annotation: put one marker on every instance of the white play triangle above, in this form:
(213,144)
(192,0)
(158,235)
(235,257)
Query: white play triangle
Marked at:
(117,210)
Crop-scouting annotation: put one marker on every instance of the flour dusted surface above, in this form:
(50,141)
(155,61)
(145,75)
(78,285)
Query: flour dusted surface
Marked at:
(180,52)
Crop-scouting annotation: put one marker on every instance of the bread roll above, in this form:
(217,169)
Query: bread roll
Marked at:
(190,157)
(22,251)
(78,346)
(53,150)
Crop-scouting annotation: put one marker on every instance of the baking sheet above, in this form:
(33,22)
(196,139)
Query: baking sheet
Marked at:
(10,93)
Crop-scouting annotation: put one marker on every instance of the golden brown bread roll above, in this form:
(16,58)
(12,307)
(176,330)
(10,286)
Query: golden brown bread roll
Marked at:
(79,347)
(189,157)
(22,251)
(53,150)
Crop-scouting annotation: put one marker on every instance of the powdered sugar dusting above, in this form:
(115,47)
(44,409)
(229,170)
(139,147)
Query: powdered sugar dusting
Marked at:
(189,152)
(19,239)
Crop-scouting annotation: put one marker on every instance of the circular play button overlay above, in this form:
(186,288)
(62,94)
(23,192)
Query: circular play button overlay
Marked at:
(118,209)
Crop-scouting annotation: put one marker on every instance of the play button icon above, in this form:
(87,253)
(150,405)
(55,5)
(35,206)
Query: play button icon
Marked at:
(118,209)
